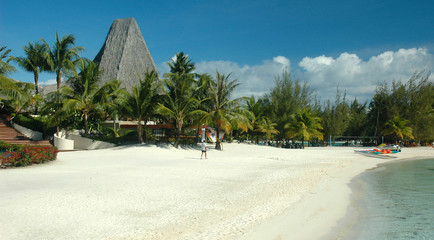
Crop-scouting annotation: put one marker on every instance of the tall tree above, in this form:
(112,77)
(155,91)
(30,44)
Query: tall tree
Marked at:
(412,100)
(140,104)
(358,118)
(181,64)
(5,66)
(34,60)
(257,109)
(63,56)
(180,103)
(304,125)
(336,117)
(419,92)
(203,83)
(84,93)
(226,112)
(286,98)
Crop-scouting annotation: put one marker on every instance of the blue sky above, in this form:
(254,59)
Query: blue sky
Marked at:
(350,44)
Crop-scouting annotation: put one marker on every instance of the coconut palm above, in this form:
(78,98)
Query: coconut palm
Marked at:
(53,112)
(140,104)
(179,102)
(181,64)
(34,61)
(265,125)
(84,93)
(226,112)
(257,109)
(17,96)
(202,85)
(398,128)
(5,67)
(63,56)
(304,125)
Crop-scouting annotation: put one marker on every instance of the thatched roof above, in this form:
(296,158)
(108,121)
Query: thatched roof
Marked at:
(124,54)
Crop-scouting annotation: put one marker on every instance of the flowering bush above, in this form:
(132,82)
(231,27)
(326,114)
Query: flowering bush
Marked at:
(22,155)
(9,157)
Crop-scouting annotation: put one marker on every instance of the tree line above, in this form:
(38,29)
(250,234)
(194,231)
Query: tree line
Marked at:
(186,100)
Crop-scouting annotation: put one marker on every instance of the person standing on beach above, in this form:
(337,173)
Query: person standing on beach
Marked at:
(203,146)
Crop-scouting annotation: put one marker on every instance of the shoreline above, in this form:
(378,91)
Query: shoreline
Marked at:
(151,192)
(355,211)
(318,217)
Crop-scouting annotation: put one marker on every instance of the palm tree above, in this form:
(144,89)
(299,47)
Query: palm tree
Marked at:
(181,64)
(398,128)
(34,61)
(179,102)
(258,111)
(84,94)
(224,112)
(53,110)
(17,96)
(5,67)
(202,85)
(141,102)
(304,125)
(63,56)
(265,125)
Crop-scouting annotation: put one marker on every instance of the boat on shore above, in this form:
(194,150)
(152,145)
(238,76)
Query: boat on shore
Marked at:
(379,153)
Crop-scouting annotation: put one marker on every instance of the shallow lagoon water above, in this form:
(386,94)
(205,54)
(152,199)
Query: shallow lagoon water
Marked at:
(394,201)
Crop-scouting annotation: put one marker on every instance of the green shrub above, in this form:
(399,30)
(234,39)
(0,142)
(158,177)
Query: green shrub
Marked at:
(34,123)
(29,122)
(17,155)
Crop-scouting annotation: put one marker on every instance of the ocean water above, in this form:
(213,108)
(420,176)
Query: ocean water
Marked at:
(395,201)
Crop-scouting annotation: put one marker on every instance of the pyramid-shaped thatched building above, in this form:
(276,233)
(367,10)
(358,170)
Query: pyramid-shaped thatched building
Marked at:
(124,55)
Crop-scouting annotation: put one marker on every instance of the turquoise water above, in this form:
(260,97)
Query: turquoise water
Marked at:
(396,201)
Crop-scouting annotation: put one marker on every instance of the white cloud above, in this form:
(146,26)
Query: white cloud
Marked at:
(324,74)
(359,78)
(254,80)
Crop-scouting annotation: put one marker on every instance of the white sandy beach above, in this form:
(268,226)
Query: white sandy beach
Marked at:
(150,192)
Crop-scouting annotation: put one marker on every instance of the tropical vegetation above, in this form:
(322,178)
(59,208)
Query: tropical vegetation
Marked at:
(63,56)
(34,61)
(179,103)
(140,104)
(224,112)
(184,100)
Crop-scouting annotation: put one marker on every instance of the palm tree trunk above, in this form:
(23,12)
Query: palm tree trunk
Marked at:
(197,133)
(139,130)
(86,125)
(36,76)
(178,135)
(179,124)
(58,79)
(218,145)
